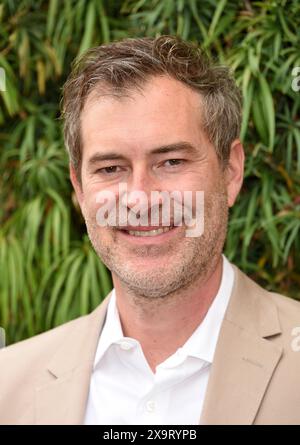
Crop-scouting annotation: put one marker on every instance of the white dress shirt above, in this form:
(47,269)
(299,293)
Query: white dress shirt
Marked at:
(125,391)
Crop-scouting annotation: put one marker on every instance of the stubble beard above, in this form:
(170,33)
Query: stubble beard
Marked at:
(186,261)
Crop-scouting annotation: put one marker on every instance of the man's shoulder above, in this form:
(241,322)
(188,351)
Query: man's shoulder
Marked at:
(277,333)
(284,303)
(288,311)
(41,347)
(270,306)
(21,368)
(43,340)
(33,363)
(30,356)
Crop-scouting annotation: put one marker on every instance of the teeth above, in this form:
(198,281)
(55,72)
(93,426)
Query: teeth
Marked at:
(149,232)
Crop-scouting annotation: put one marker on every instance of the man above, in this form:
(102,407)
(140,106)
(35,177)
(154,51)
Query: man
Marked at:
(184,337)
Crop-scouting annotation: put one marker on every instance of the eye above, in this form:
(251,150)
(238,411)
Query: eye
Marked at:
(108,170)
(174,162)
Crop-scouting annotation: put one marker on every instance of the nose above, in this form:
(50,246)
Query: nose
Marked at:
(138,196)
(140,186)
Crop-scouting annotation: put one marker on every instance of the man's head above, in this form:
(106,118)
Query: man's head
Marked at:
(157,115)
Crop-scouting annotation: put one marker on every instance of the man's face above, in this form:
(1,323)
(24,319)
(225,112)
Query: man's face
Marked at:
(122,140)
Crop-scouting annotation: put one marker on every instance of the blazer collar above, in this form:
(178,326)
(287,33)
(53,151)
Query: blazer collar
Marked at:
(244,359)
(243,363)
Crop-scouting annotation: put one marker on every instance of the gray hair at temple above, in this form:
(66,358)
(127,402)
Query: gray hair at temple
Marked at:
(121,67)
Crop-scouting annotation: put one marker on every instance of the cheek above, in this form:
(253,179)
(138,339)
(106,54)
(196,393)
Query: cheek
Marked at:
(90,194)
(89,203)
(198,178)
(89,209)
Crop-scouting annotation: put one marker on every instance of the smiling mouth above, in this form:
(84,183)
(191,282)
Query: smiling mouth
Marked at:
(147,231)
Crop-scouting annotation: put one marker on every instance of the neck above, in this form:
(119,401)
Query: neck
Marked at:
(162,325)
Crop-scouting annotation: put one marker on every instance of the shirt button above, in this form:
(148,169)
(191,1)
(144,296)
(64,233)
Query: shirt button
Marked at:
(125,345)
(150,406)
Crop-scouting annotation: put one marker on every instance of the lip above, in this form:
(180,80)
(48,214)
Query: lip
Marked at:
(156,239)
(141,228)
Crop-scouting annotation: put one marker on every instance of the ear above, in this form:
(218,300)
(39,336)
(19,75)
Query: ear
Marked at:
(235,171)
(76,184)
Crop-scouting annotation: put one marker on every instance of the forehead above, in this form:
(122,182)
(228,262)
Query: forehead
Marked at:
(165,109)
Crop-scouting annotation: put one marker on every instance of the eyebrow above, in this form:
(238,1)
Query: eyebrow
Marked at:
(181,146)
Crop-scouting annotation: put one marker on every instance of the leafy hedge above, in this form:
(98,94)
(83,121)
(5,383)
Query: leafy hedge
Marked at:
(49,272)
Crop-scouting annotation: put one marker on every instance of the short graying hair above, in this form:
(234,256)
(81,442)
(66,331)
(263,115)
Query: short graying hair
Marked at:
(126,65)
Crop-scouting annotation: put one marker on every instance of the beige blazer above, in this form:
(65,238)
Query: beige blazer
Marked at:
(254,379)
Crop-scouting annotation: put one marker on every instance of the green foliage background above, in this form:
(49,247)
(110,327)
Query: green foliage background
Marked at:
(49,272)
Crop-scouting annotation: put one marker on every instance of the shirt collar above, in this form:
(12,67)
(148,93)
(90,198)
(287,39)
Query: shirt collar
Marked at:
(112,332)
(201,344)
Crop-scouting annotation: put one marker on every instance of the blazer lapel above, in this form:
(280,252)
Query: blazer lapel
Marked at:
(244,359)
(63,390)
